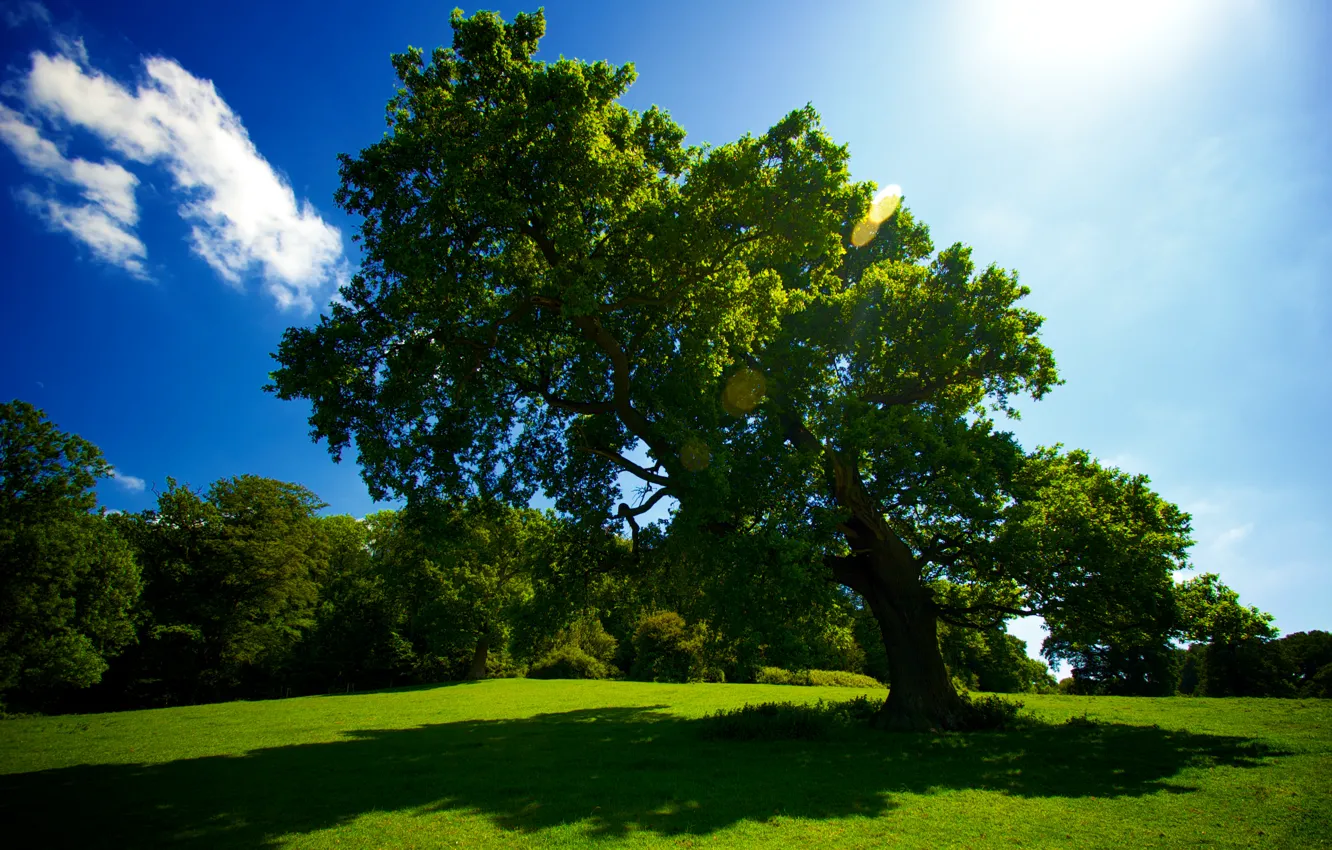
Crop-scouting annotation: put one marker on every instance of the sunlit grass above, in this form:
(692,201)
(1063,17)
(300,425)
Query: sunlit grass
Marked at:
(567,764)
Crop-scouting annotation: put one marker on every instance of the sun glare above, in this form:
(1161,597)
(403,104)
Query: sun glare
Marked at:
(1087,34)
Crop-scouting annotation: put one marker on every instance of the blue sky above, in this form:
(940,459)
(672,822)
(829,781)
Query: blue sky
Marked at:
(1158,172)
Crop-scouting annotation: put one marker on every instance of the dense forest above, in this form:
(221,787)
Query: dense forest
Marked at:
(244,590)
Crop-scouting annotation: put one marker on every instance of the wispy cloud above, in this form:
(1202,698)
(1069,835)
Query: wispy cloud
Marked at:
(107,238)
(105,221)
(1231,536)
(132,483)
(243,215)
(18,14)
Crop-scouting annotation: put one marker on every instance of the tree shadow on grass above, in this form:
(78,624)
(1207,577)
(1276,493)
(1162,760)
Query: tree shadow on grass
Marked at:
(611,770)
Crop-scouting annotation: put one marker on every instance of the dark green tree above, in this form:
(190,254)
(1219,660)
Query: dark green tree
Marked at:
(552,282)
(68,582)
(1235,652)
(455,574)
(666,649)
(1310,653)
(352,642)
(1095,551)
(993,660)
(230,586)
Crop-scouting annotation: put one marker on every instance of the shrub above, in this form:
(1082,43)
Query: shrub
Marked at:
(817,678)
(590,636)
(569,662)
(1321,684)
(785,721)
(993,712)
(666,650)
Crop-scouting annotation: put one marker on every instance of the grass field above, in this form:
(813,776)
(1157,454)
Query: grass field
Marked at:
(524,763)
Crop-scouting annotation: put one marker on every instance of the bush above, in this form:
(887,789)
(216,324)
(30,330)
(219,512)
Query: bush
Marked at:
(785,721)
(590,636)
(1082,720)
(569,662)
(666,650)
(1321,684)
(816,678)
(994,712)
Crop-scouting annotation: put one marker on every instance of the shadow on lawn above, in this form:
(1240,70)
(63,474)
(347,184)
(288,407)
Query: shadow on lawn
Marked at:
(612,769)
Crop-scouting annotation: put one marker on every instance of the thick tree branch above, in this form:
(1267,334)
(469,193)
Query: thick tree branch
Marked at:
(848,571)
(630,515)
(536,231)
(626,512)
(638,424)
(588,408)
(627,465)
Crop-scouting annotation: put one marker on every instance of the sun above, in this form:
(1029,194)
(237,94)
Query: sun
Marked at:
(1073,35)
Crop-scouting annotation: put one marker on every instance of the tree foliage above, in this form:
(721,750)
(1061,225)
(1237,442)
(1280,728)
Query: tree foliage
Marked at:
(1234,651)
(1210,612)
(231,582)
(68,582)
(1096,551)
(553,282)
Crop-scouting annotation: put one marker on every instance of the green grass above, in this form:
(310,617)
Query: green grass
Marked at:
(523,763)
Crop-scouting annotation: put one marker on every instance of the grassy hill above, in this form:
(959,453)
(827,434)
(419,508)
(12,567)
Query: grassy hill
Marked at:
(524,763)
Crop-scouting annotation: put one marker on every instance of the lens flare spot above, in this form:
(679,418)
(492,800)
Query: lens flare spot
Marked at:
(695,455)
(864,233)
(744,390)
(885,203)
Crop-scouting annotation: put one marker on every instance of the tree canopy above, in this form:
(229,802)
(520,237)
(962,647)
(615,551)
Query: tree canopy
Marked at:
(230,582)
(68,582)
(554,285)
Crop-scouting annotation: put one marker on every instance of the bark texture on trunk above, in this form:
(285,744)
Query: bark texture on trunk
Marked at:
(885,572)
(477,669)
(921,696)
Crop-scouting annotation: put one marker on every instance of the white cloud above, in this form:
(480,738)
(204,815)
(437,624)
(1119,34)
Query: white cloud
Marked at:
(106,184)
(106,237)
(71,47)
(105,223)
(18,14)
(131,483)
(242,214)
(1231,536)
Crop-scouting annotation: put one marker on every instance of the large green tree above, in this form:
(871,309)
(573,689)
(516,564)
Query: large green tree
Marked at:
(554,285)
(1094,551)
(68,582)
(231,582)
(352,643)
(454,576)
(1234,650)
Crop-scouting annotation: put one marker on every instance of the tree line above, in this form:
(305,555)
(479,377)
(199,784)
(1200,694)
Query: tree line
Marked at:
(243,590)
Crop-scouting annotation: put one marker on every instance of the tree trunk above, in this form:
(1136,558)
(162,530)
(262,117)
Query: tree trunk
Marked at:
(477,670)
(885,571)
(921,696)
